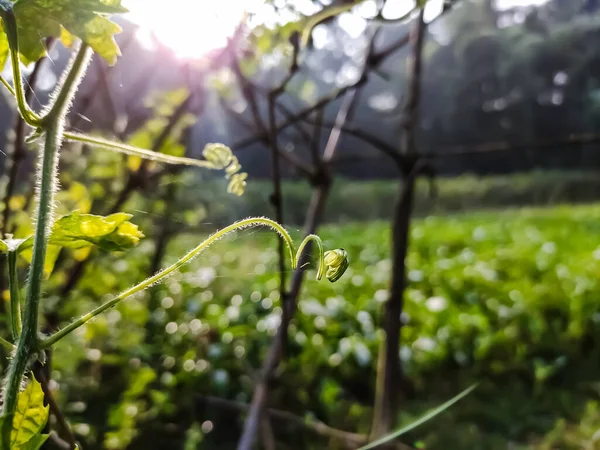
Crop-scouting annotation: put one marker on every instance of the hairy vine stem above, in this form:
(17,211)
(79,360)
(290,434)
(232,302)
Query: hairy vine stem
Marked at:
(52,127)
(15,297)
(150,155)
(326,265)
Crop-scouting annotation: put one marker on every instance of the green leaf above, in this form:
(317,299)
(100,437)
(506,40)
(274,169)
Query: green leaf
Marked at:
(3,47)
(111,233)
(31,414)
(52,252)
(36,442)
(29,419)
(85,19)
(76,230)
(430,415)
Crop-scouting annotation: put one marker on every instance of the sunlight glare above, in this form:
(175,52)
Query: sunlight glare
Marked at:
(191,28)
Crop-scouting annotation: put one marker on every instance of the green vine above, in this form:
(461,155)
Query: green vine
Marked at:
(52,125)
(10,25)
(331,265)
(15,296)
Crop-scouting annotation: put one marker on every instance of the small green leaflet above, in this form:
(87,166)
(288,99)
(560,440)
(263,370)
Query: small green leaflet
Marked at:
(29,419)
(111,233)
(85,19)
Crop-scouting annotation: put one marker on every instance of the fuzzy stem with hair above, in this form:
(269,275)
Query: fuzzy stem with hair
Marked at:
(164,273)
(15,300)
(52,125)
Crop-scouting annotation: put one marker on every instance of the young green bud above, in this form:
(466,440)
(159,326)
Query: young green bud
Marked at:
(336,262)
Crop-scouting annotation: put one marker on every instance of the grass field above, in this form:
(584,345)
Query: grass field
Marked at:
(509,299)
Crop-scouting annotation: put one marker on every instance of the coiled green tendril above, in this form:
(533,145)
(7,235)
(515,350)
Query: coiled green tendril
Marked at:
(221,157)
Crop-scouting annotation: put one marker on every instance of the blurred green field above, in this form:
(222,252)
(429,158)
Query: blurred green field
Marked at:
(509,299)
(361,201)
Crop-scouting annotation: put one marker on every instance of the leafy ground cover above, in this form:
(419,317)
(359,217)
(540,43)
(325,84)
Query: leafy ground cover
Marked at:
(508,299)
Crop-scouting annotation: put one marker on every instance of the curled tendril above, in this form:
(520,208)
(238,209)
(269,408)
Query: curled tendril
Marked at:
(34,136)
(234,166)
(221,157)
(218,155)
(332,263)
(336,262)
(237,184)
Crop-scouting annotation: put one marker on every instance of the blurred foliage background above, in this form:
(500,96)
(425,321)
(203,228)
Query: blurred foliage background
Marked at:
(503,264)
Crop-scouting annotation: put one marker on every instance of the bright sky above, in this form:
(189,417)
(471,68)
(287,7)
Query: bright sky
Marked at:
(190,27)
(194,27)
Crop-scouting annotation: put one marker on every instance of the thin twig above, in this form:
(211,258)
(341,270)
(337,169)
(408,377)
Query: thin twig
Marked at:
(271,139)
(301,115)
(267,434)
(378,143)
(136,179)
(277,197)
(314,426)
(56,440)
(249,94)
(103,81)
(291,158)
(477,150)
(64,430)
(373,62)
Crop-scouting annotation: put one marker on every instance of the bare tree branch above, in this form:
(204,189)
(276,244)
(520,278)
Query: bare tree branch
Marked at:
(373,61)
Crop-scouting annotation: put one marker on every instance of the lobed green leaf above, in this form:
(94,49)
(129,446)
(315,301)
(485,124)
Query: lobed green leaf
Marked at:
(29,419)
(111,233)
(36,442)
(85,19)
